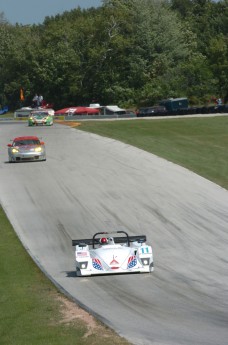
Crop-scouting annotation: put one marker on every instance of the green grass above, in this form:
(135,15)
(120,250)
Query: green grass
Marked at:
(199,144)
(7,115)
(30,307)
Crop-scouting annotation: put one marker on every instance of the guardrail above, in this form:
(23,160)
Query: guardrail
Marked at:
(99,117)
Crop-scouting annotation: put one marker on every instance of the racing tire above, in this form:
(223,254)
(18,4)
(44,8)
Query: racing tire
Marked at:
(151,269)
(78,272)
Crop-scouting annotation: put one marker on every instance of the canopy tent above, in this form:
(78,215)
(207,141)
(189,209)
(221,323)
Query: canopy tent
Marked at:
(114,108)
(77,111)
(26,111)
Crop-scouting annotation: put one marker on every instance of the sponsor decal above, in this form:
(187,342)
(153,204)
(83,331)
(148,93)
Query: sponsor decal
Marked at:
(114,261)
(113,264)
(82,253)
(132,261)
(97,264)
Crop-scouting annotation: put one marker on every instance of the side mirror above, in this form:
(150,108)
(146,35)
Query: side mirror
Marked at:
(41,143)
(9,145)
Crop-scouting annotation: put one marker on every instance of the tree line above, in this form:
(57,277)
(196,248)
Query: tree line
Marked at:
(127,52)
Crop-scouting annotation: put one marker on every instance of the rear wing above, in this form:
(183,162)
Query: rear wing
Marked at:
(117,239)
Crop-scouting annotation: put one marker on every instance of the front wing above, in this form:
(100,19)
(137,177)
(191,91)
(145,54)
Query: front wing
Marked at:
(89,263)
(38,122)
(26,156)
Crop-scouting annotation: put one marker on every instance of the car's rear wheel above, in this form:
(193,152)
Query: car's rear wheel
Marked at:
(151,267)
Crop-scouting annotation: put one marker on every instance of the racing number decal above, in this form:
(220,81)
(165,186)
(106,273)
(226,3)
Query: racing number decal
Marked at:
(145,250)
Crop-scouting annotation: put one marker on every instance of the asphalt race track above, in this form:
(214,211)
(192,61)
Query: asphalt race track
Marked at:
(90,184)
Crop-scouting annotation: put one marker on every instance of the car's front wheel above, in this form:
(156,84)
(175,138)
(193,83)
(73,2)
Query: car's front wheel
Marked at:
(78,272)
(11,160)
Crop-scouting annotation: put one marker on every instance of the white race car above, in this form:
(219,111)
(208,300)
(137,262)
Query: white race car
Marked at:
(112,255)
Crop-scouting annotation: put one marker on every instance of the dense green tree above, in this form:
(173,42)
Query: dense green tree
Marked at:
(182,6)
(6,39)
(127,52)
(218,59)
(209,21)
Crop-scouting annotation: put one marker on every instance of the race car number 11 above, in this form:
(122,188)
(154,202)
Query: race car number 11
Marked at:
(145,250)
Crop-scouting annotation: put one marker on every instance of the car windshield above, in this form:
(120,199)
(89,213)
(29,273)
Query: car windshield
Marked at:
(40,115)
(26,142)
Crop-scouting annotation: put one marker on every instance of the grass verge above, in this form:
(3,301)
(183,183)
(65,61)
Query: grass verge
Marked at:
(33,312)
(7,115)
(198,144)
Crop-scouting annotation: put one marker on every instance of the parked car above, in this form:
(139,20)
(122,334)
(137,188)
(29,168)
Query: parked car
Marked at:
(152,111)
